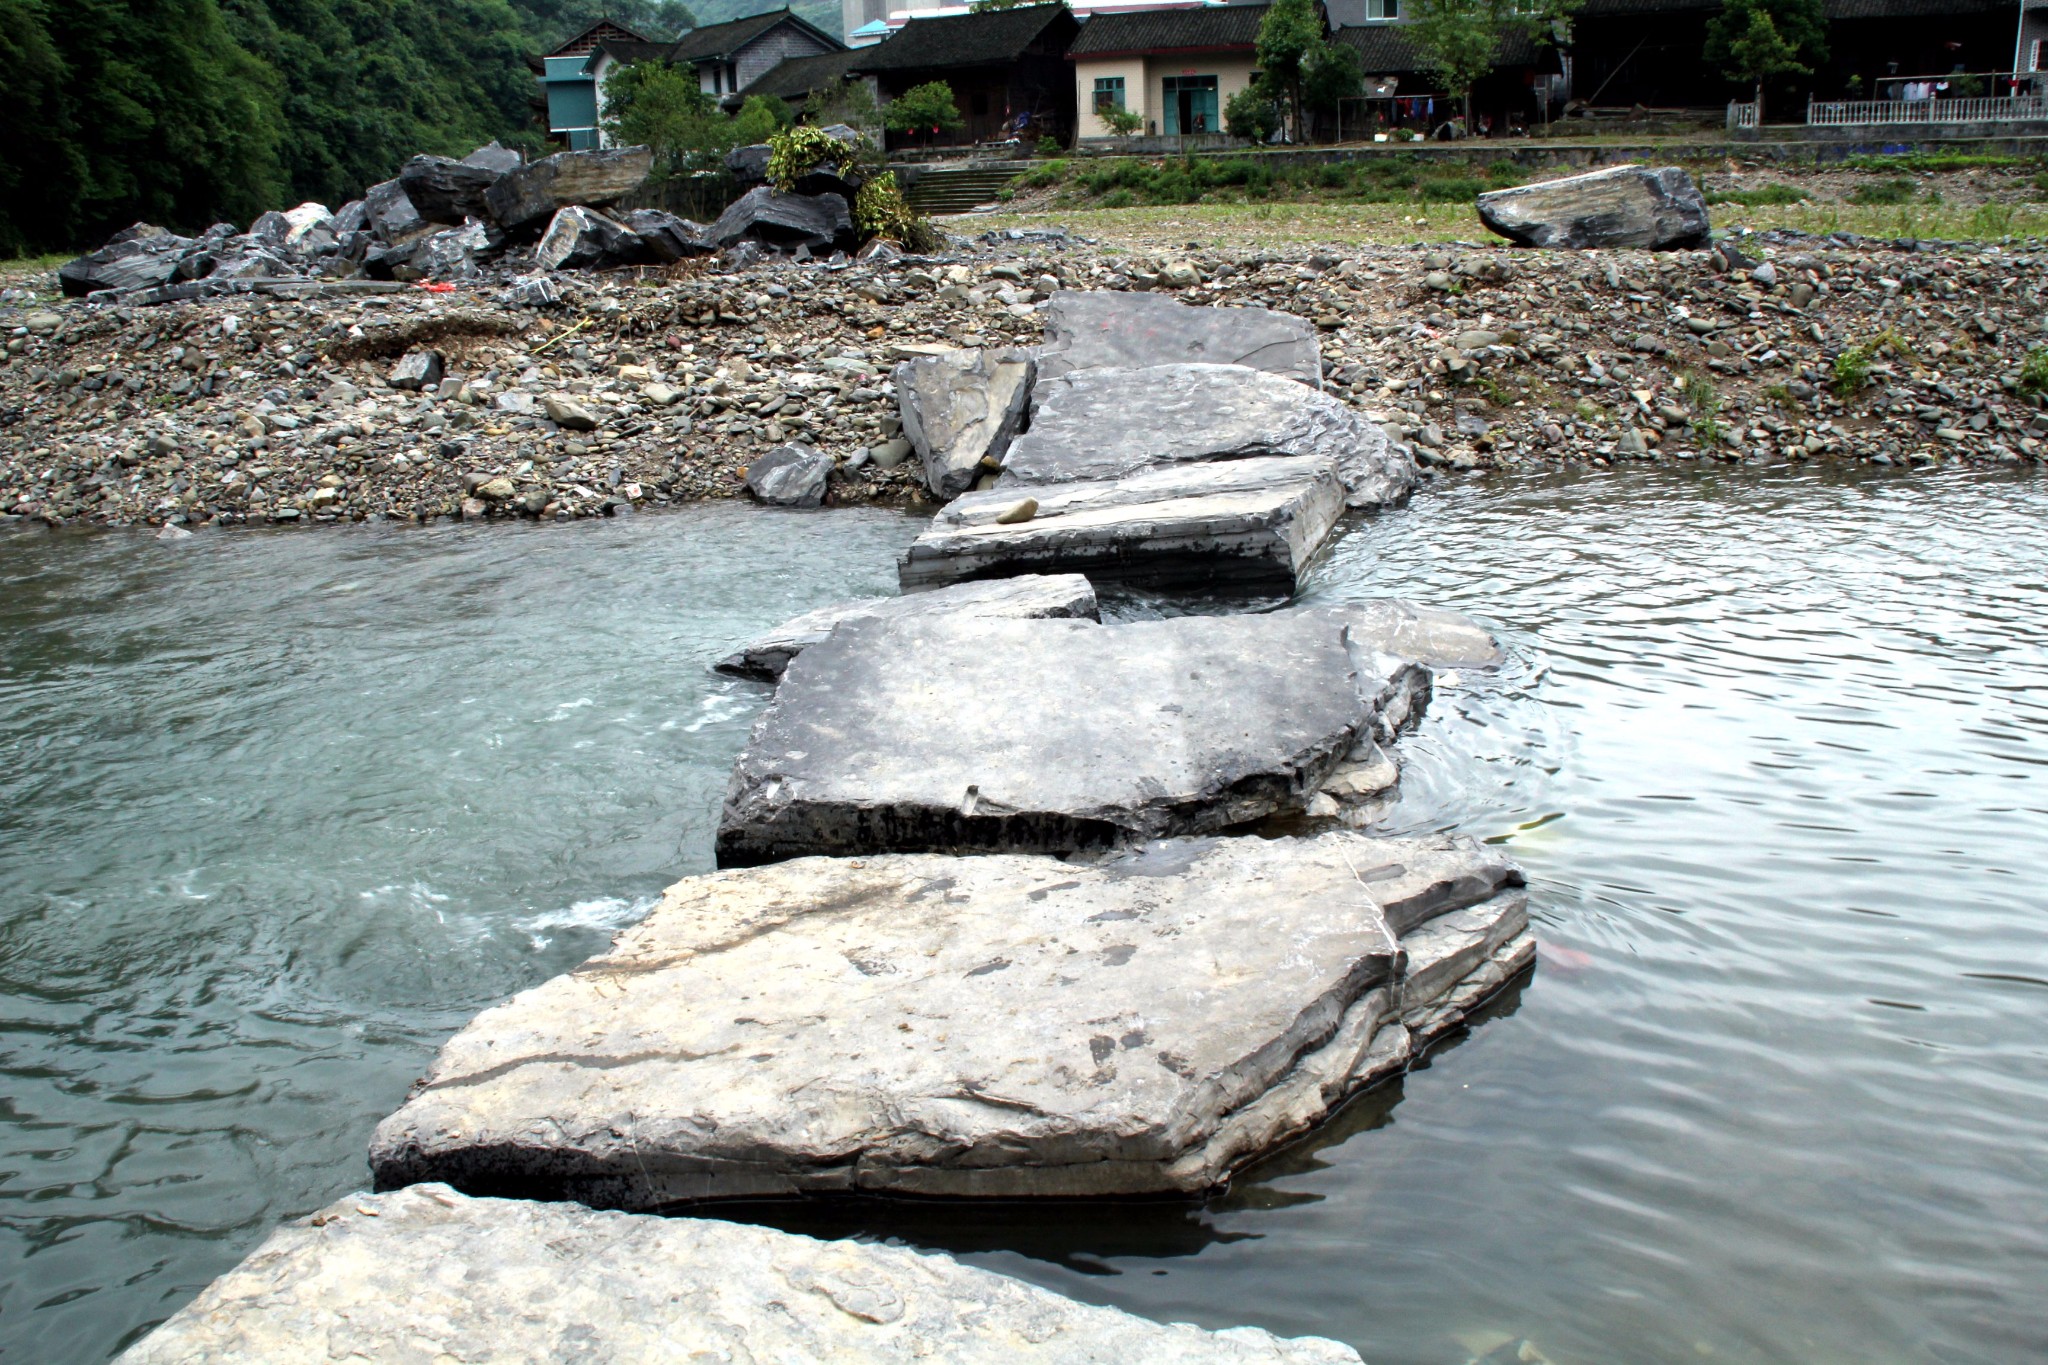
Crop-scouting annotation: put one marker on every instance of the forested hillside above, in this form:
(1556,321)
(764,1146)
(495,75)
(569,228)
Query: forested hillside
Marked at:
(186,112)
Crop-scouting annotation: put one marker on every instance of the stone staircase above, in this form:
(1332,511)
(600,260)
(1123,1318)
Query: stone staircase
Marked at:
(956,189)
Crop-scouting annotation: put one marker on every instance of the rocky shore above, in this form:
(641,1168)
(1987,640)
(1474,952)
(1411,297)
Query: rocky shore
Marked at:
(648,386)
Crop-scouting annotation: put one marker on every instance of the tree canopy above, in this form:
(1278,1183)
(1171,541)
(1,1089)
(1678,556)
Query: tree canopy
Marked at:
(1459,38)
(186,112)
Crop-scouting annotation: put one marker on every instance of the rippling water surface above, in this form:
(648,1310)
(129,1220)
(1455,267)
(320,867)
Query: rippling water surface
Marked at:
(278,812)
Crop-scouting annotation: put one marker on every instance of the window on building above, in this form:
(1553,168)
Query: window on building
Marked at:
(1109,92)
(1190,104)
(2034,56)
(1382,9)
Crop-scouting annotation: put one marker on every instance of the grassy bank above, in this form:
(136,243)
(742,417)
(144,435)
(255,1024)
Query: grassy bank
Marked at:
(1163,227)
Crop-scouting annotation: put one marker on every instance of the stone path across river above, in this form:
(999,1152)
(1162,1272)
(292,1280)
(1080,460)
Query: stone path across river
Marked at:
(993,921)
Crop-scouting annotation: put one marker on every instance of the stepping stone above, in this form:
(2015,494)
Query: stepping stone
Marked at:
(1026,596)
(987,1027)
(1429,636)
(1106,423)
(954,734)
(1239,524)
(1103,328)
(425,1274)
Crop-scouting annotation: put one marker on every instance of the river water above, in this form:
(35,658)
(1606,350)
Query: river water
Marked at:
(278,812)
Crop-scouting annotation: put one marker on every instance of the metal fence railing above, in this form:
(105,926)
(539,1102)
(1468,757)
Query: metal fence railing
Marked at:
(1998,109)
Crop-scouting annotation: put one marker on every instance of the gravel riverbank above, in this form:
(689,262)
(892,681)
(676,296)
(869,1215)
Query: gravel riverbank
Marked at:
(643,388)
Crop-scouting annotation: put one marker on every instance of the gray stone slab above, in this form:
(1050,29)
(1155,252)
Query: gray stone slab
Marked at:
(961,408)
(530,195)
(1093,329)
(958,734)
(1623,206)
(1106,423)
(984,1027)
(1251,524)
(427,1275)
(792,475)
(1027,596)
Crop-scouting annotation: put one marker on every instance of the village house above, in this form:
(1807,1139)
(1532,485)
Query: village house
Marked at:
(1176,68)
(733,55)
(1007,69)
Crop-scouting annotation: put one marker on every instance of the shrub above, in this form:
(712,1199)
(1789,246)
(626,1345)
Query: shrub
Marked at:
(1049,146)
(1119,120)
(2034,373)
(759,119)
(879,210)
(1119,199)
(1897,191)
(1251,115)
(922,107)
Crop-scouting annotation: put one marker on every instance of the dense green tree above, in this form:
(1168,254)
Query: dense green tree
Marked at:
(664,108)
(923,108)
(1289,37)
(42,168)
(1757,41)
(1251,114)
(759,118)
(1459,38)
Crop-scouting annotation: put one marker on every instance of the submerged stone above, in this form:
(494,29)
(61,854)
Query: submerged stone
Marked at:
(959,734)
(1242,524)
(1026,596)
(1107,329)
(1106,423)
(426,1274)
(988,1027)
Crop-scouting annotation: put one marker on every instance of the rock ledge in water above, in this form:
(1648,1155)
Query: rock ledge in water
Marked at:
(1089,329)
(1108,423)
(1233,524)
(985,1027)
(427,1274)
(1026,596)
(954,734)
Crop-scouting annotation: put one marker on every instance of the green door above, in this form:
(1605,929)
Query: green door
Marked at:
(1190,104)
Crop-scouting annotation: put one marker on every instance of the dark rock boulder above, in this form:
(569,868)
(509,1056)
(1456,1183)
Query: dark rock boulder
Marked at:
(668,237)
(140,257)
(790,476)
(748,165)
(532,194)
(579,238)
(388,212)
(785,220)
(1626,206)
(444,190)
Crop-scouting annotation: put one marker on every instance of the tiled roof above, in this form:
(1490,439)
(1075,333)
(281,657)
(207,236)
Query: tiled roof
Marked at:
(795,77)
(590,37)
(1388,50)
(980,38)
(1913,9)
(715,42)
(1170,30)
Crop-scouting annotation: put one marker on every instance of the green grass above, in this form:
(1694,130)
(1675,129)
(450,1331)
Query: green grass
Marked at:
(1760,198)
(1914,162)
(1388,179)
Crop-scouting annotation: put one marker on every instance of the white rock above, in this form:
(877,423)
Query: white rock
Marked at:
(426,1274)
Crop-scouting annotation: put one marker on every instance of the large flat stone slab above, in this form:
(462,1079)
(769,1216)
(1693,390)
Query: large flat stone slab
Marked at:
(954,734)
(1093,329)
(1624,206)
(1027,596)
(1250,524)
(427,1275)
(983,1027)
(1107,423)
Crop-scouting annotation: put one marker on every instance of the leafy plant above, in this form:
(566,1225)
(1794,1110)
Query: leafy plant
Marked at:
(1458,38)
(1705,401)
(1049,146)
(663,108)
(1251,114)
(1758,40)
(2034,373)
(1852,367)
(1119,120)
(879,210)
(793,152)
(759,118)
